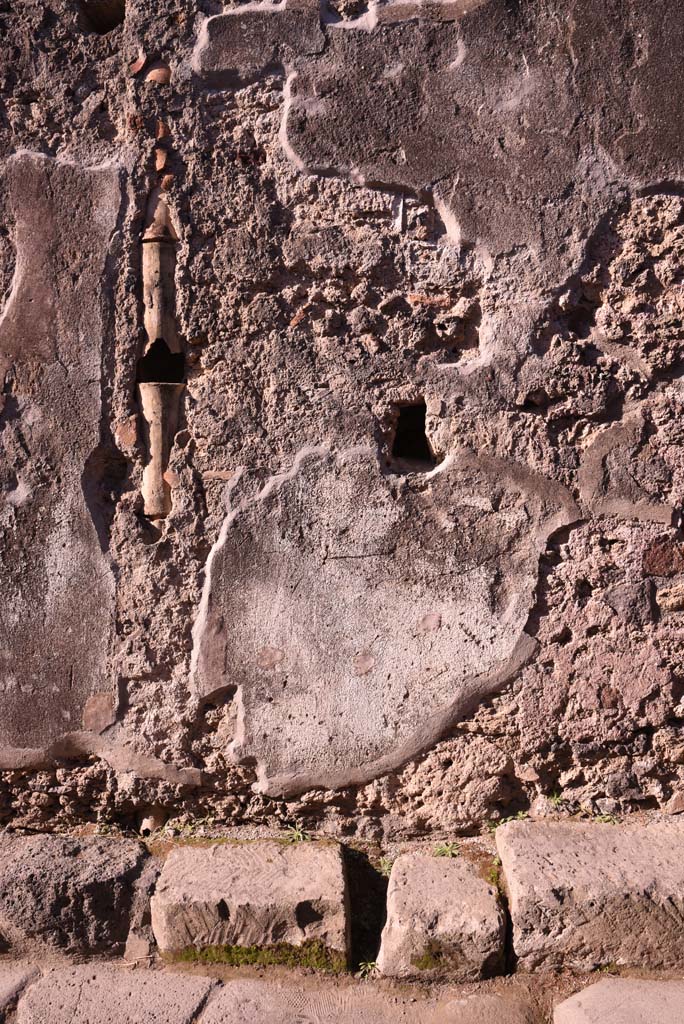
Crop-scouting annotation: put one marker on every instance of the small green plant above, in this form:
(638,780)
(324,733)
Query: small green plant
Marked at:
(494,874)
(606,819)
(385,866)
(296,834)
(367,969)
(447,850)
(556,798)
(494,824)
(608,969)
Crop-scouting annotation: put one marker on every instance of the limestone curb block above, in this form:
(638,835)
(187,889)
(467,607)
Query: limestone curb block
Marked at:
(73,894)
(253,894)
(583,895)
(442,918)
(624,1001)
(95,994)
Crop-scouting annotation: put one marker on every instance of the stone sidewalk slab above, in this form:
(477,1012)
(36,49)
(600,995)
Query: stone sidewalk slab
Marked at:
(442,919)
(585,894)
(96,994)
(271,1002)
(624,1001)
(73,894)
(253,894)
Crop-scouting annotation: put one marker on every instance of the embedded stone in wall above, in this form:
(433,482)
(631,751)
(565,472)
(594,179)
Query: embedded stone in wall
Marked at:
(57,625)
(624,1001)
(75,895)
(98,994)
(360,614)
(586,895)
(254,894)
(443,918)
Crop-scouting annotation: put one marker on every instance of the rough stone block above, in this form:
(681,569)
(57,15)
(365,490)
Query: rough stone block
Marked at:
(442,917)
(583,895)
(624,1001)
(13,980)
(104,995)
(72,894)
(242,897)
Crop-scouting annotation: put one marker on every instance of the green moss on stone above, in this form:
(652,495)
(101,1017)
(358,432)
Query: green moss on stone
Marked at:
(313,954)
(437,956)
(427,962)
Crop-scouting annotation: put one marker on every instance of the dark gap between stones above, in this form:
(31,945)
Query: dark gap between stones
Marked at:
(367,907)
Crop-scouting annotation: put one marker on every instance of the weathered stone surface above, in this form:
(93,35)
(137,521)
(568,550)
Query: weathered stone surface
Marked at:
(624,1001)
(73,894)
(285,1003)
(57,629)
(95,994)
(473,203)
(586,895)
(240,45)
(436,590)
(258,893)
(13,980)
(442,918)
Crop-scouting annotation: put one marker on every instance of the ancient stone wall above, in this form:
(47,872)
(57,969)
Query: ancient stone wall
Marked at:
(341,474)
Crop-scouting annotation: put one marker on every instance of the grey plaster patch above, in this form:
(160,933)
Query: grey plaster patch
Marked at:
(57,622)
(317,596)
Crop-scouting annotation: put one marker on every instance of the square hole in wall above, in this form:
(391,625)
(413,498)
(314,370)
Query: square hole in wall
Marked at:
(410,450)
(102,16)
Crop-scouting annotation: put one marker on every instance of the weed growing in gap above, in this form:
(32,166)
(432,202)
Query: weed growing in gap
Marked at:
(520,816)
(446,850)
(385,866)
(296,834)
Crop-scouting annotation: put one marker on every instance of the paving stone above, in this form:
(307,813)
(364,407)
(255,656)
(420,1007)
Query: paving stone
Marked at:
(253,894)
(270,1002)
(13,979)
(73,894)
(442,918)
(583,895)
(624,1001)
(107,995)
